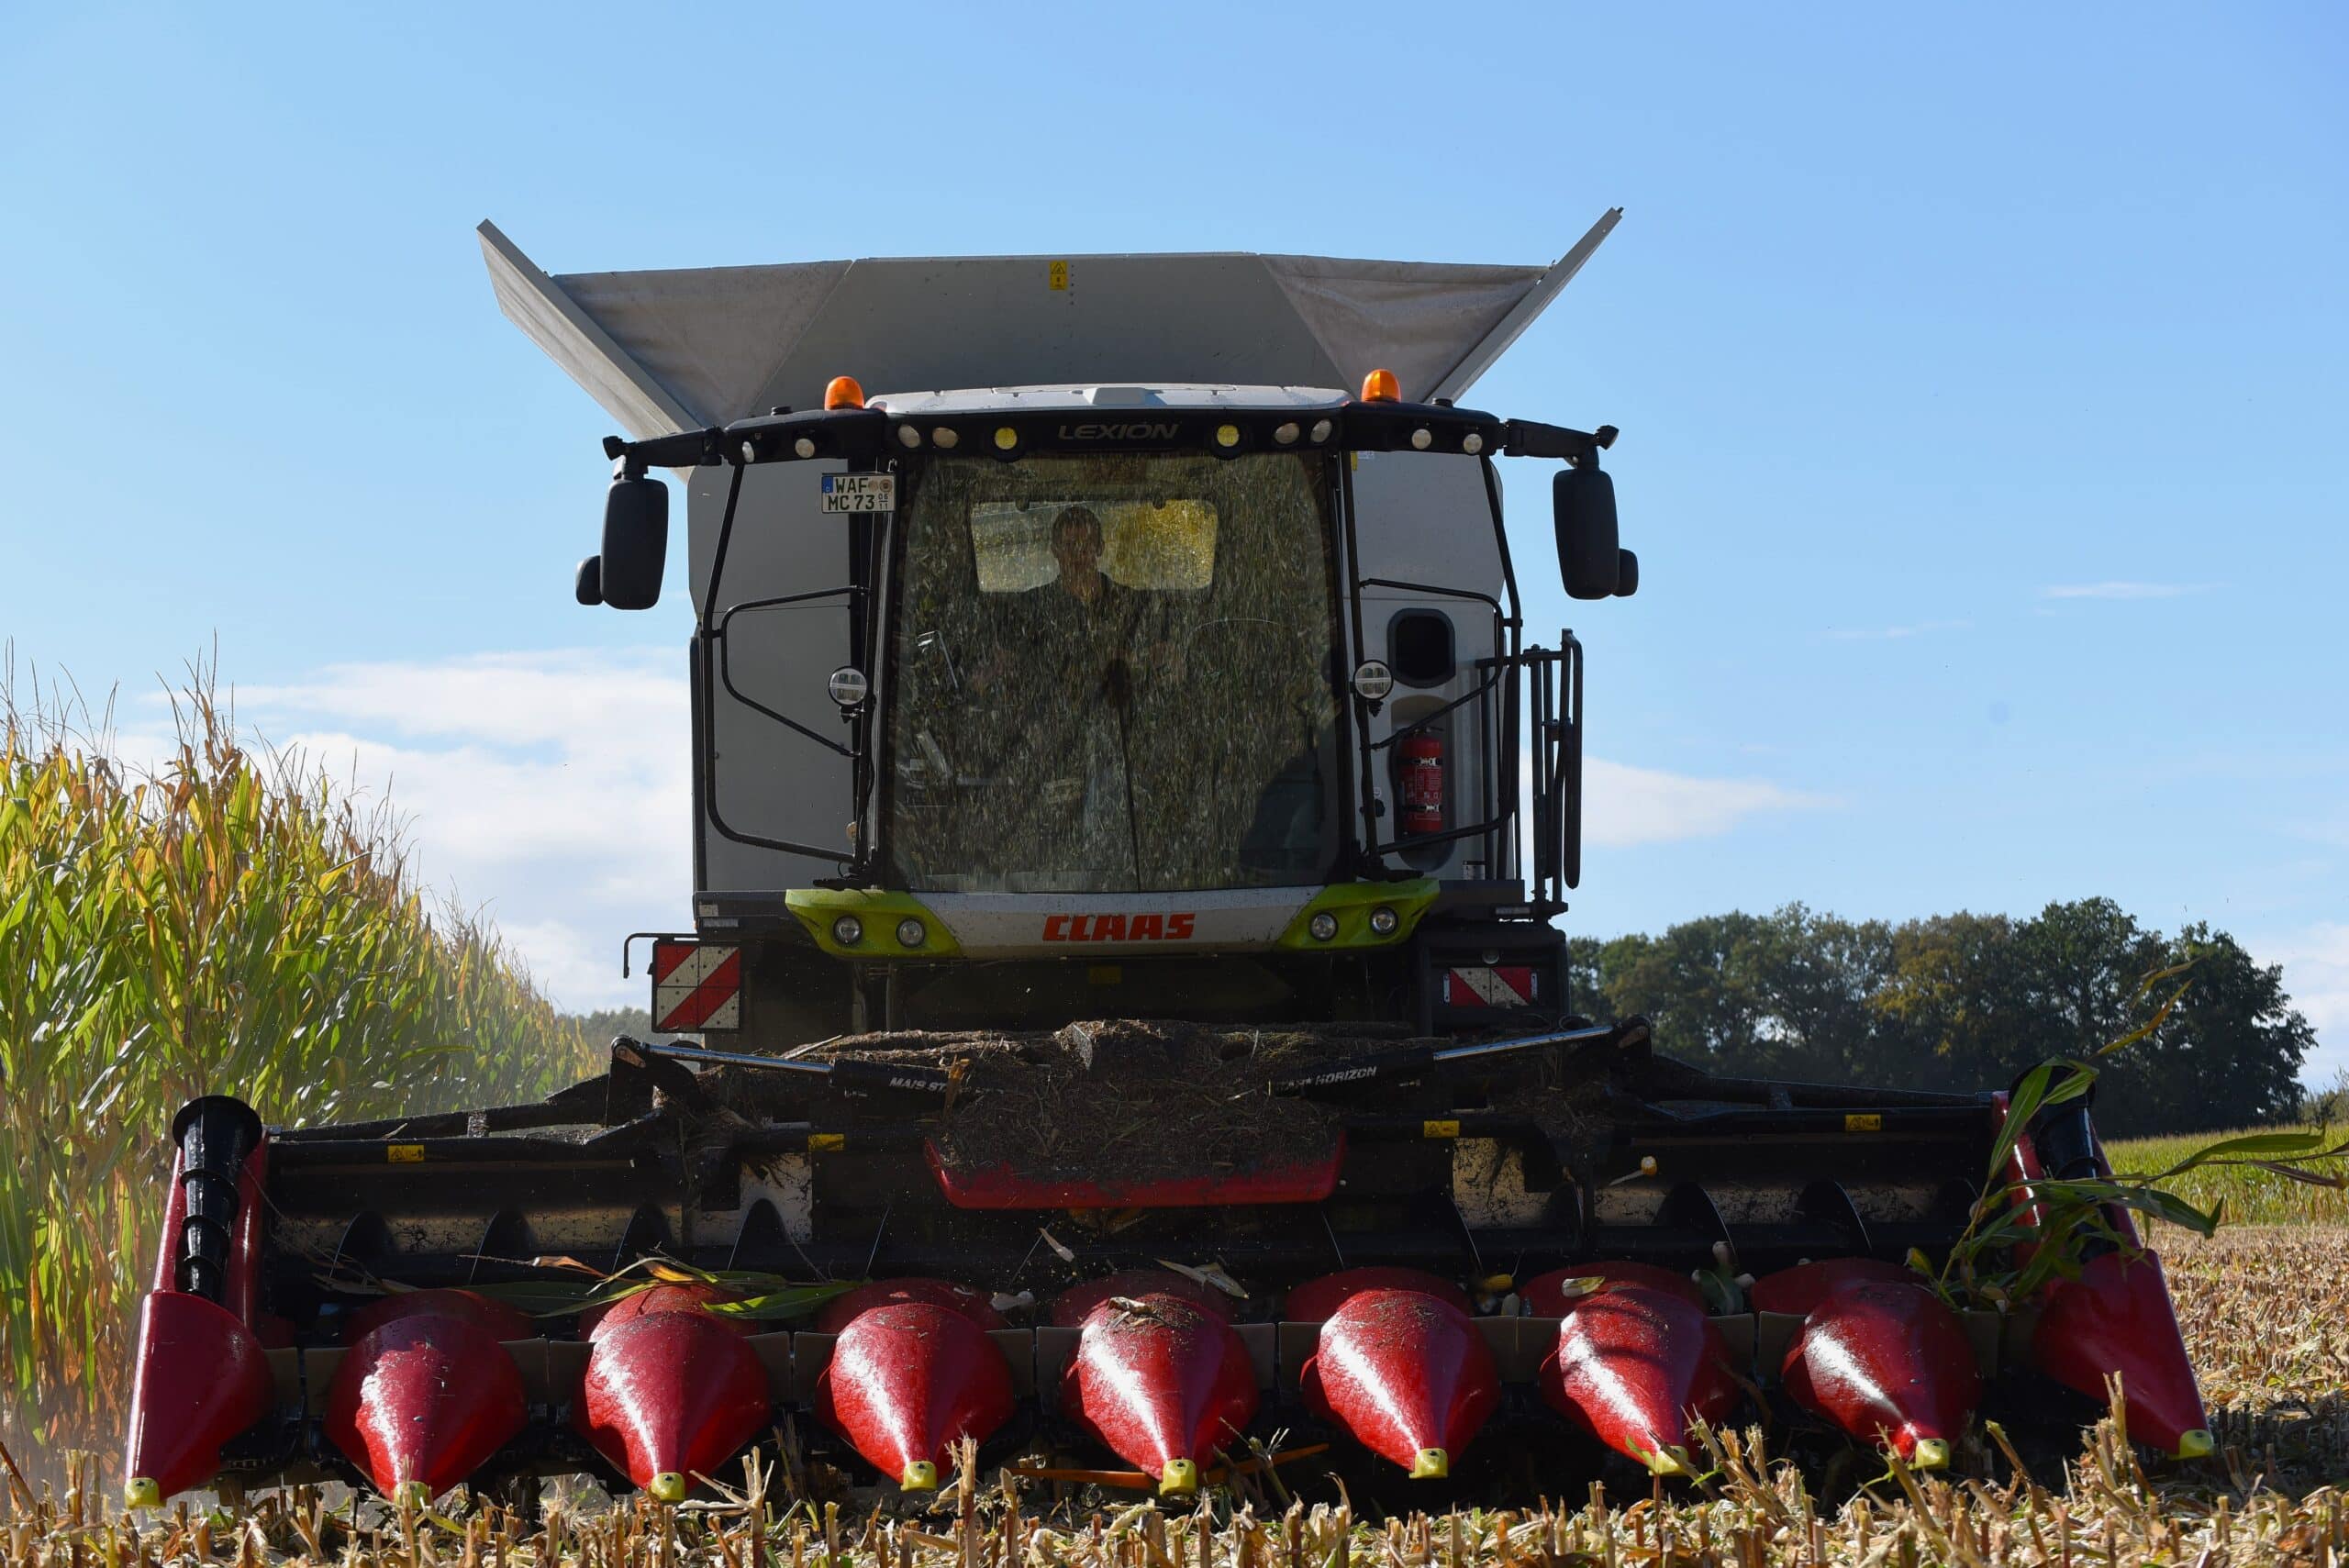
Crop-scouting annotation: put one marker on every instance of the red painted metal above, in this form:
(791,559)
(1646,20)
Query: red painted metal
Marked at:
(909,1379)
(1799,1291)
(1317,1300)
(671,1395)
(497,1319)
(1636,1366)
(1888,1363)
(1162,1384)
(1407,1374)
(201,1378)
(1002,1186)
(653,1300)
(244,1243)
(1545,1296)
(846,1308)
(422,1401)
(1074,1304)
(2117,1318)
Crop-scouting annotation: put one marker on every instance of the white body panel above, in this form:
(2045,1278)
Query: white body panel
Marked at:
(998,925)
(672,350)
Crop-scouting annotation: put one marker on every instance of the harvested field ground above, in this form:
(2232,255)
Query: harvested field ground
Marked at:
(2266,1313)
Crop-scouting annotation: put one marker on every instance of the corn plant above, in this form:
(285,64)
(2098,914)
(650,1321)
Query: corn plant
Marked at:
(2022,1236)
(229,921)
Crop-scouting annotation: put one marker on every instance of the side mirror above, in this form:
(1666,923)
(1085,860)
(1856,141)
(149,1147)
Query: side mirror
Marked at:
(1590,559)
(636,542)
(587,587)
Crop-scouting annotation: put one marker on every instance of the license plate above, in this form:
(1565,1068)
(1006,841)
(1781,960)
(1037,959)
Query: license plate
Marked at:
(860,492)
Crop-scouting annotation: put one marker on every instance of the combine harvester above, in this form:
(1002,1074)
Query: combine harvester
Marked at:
(1107,663)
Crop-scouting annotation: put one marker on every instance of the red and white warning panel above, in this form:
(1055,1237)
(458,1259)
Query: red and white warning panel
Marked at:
(1491,985)
(696,987)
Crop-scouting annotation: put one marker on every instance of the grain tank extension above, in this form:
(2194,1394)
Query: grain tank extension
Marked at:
(1125,1016)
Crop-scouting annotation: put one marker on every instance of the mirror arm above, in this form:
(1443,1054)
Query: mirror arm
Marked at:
(689,450)
(1531,438)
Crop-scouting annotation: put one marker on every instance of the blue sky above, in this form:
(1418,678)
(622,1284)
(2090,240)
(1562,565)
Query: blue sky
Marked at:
(1981,373)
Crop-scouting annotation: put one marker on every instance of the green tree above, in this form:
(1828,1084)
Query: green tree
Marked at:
(2228,1055)
(1966,1002)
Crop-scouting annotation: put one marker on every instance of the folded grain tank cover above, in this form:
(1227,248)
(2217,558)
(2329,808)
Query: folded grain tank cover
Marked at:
(692,346)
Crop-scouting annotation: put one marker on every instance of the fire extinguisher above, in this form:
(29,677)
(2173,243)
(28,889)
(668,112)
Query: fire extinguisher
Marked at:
(1419,764)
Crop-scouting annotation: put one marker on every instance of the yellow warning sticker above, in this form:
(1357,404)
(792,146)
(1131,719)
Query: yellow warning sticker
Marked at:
(1863,1121)
(1105,975)
(404,1153)
(826,1143)
(1056,276)
(1438,1129)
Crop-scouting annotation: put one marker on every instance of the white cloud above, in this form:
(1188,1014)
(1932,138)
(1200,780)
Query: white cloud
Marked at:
(552,791)
(2121,590)
(2316,973)
(1624,806)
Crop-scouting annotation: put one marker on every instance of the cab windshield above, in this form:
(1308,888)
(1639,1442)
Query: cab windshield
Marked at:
(1112,675)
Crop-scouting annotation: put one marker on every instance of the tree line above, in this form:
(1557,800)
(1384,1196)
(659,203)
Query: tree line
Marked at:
(1966,1001)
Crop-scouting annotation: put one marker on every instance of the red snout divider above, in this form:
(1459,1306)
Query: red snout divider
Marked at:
(202,1378)
(2117,1318)
(1407,1374)
(1888,1363)
(420,1403)
(1636,1364)
(199,1376)
(672,1394)
(909,1380)
(1163,1384)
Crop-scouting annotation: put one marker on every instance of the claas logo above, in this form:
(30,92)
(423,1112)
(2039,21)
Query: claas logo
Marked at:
(1151,928)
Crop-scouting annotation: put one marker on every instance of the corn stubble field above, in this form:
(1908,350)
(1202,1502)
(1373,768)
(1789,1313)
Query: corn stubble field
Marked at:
(229,900)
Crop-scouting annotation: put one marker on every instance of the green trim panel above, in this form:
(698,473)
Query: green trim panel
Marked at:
(1352,902)
(882,913)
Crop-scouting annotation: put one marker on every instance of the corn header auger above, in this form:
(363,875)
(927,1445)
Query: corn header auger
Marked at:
(1124,1016)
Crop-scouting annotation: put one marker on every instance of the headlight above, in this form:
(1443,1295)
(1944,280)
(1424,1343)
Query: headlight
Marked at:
(1324,926)
(847,930)
(847,687)
(910,932)
(1383,921)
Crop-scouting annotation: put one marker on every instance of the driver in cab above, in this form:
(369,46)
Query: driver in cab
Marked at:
(1082,614)
(1077,634)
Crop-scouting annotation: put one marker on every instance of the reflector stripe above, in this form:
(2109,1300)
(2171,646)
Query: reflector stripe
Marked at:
(1485,987)
(700,988)
(667,956)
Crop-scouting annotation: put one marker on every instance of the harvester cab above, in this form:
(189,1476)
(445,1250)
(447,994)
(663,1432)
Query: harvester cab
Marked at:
(1050,698)
(1122,1015)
